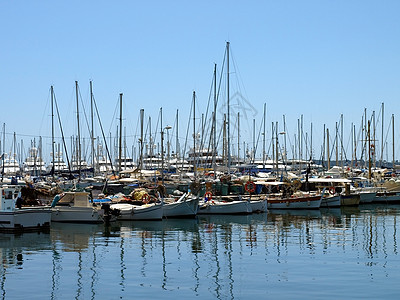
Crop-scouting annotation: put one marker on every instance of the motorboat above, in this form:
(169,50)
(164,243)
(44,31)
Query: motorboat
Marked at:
(15,218)
(75,207)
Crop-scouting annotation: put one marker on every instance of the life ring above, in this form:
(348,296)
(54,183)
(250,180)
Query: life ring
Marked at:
(332,190)
(146,198)
(250,187)
(208,196)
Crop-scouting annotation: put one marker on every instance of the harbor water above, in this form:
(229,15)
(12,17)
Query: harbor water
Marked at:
(344,253)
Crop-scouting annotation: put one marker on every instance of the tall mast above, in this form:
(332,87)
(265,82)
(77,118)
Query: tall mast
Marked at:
(79,136)
(214,126)
(4,149)
(52,128)
(141,137)
(228,100)
(92,133)
(177,136)
(162,147)
(393,142)
(120,133)
(276,150)
(238,139)
(263,153)
(327,148)
(336,143)
(369,149)
(284,130)
(341,141)
(194,134)
(382,135)
(254,140)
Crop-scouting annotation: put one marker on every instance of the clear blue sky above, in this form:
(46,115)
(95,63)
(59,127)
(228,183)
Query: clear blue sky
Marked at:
(319,59)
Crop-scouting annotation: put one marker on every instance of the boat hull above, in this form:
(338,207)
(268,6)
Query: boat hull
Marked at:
(350,200)
(258,206)
(226,208)
(330,201)
(311,202)
(25,219)
(75,214)
(367,197)
(181,209)
(139,212)
(388,197)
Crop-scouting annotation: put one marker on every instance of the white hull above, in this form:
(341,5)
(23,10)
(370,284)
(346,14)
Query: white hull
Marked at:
(25,219)
(312,202)
(330,201)
(258,205)
(76,214)
(139,212)
(185,208)
(217,207)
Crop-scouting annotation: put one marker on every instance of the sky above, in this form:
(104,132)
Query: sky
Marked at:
(306,60)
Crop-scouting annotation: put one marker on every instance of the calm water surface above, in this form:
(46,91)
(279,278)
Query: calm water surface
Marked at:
(323,254)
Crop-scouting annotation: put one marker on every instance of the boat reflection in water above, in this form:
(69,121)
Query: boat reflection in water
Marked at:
(307,253)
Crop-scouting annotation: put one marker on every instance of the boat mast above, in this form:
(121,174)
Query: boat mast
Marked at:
(263,153)
(120,134)
(4,150)
(142,137)
(92,135)
(177,137)
(382,135)
(228,100)
(214,126)
(327,148)
(52,128)
(194,134)
(254,140)
(369,150)
(238,140)
(393,142)
(79,137)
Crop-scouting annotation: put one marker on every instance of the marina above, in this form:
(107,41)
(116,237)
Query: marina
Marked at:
(349,252)
(210,150)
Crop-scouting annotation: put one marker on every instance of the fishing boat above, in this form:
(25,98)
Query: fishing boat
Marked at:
(223,205)
(258,203)
(75,207)
(185,207)
(295,201)
(149,211)
(15,218)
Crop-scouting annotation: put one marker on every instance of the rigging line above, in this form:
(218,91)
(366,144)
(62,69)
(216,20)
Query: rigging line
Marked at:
(113,117)
(187,133)
(62,134)
(210,98)
(45,110)
(84,110)
(104,138)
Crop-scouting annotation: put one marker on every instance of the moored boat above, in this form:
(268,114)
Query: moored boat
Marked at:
(301,201)
(150,211)
(75,207)
(16,219)
(218,206)
(185,207)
